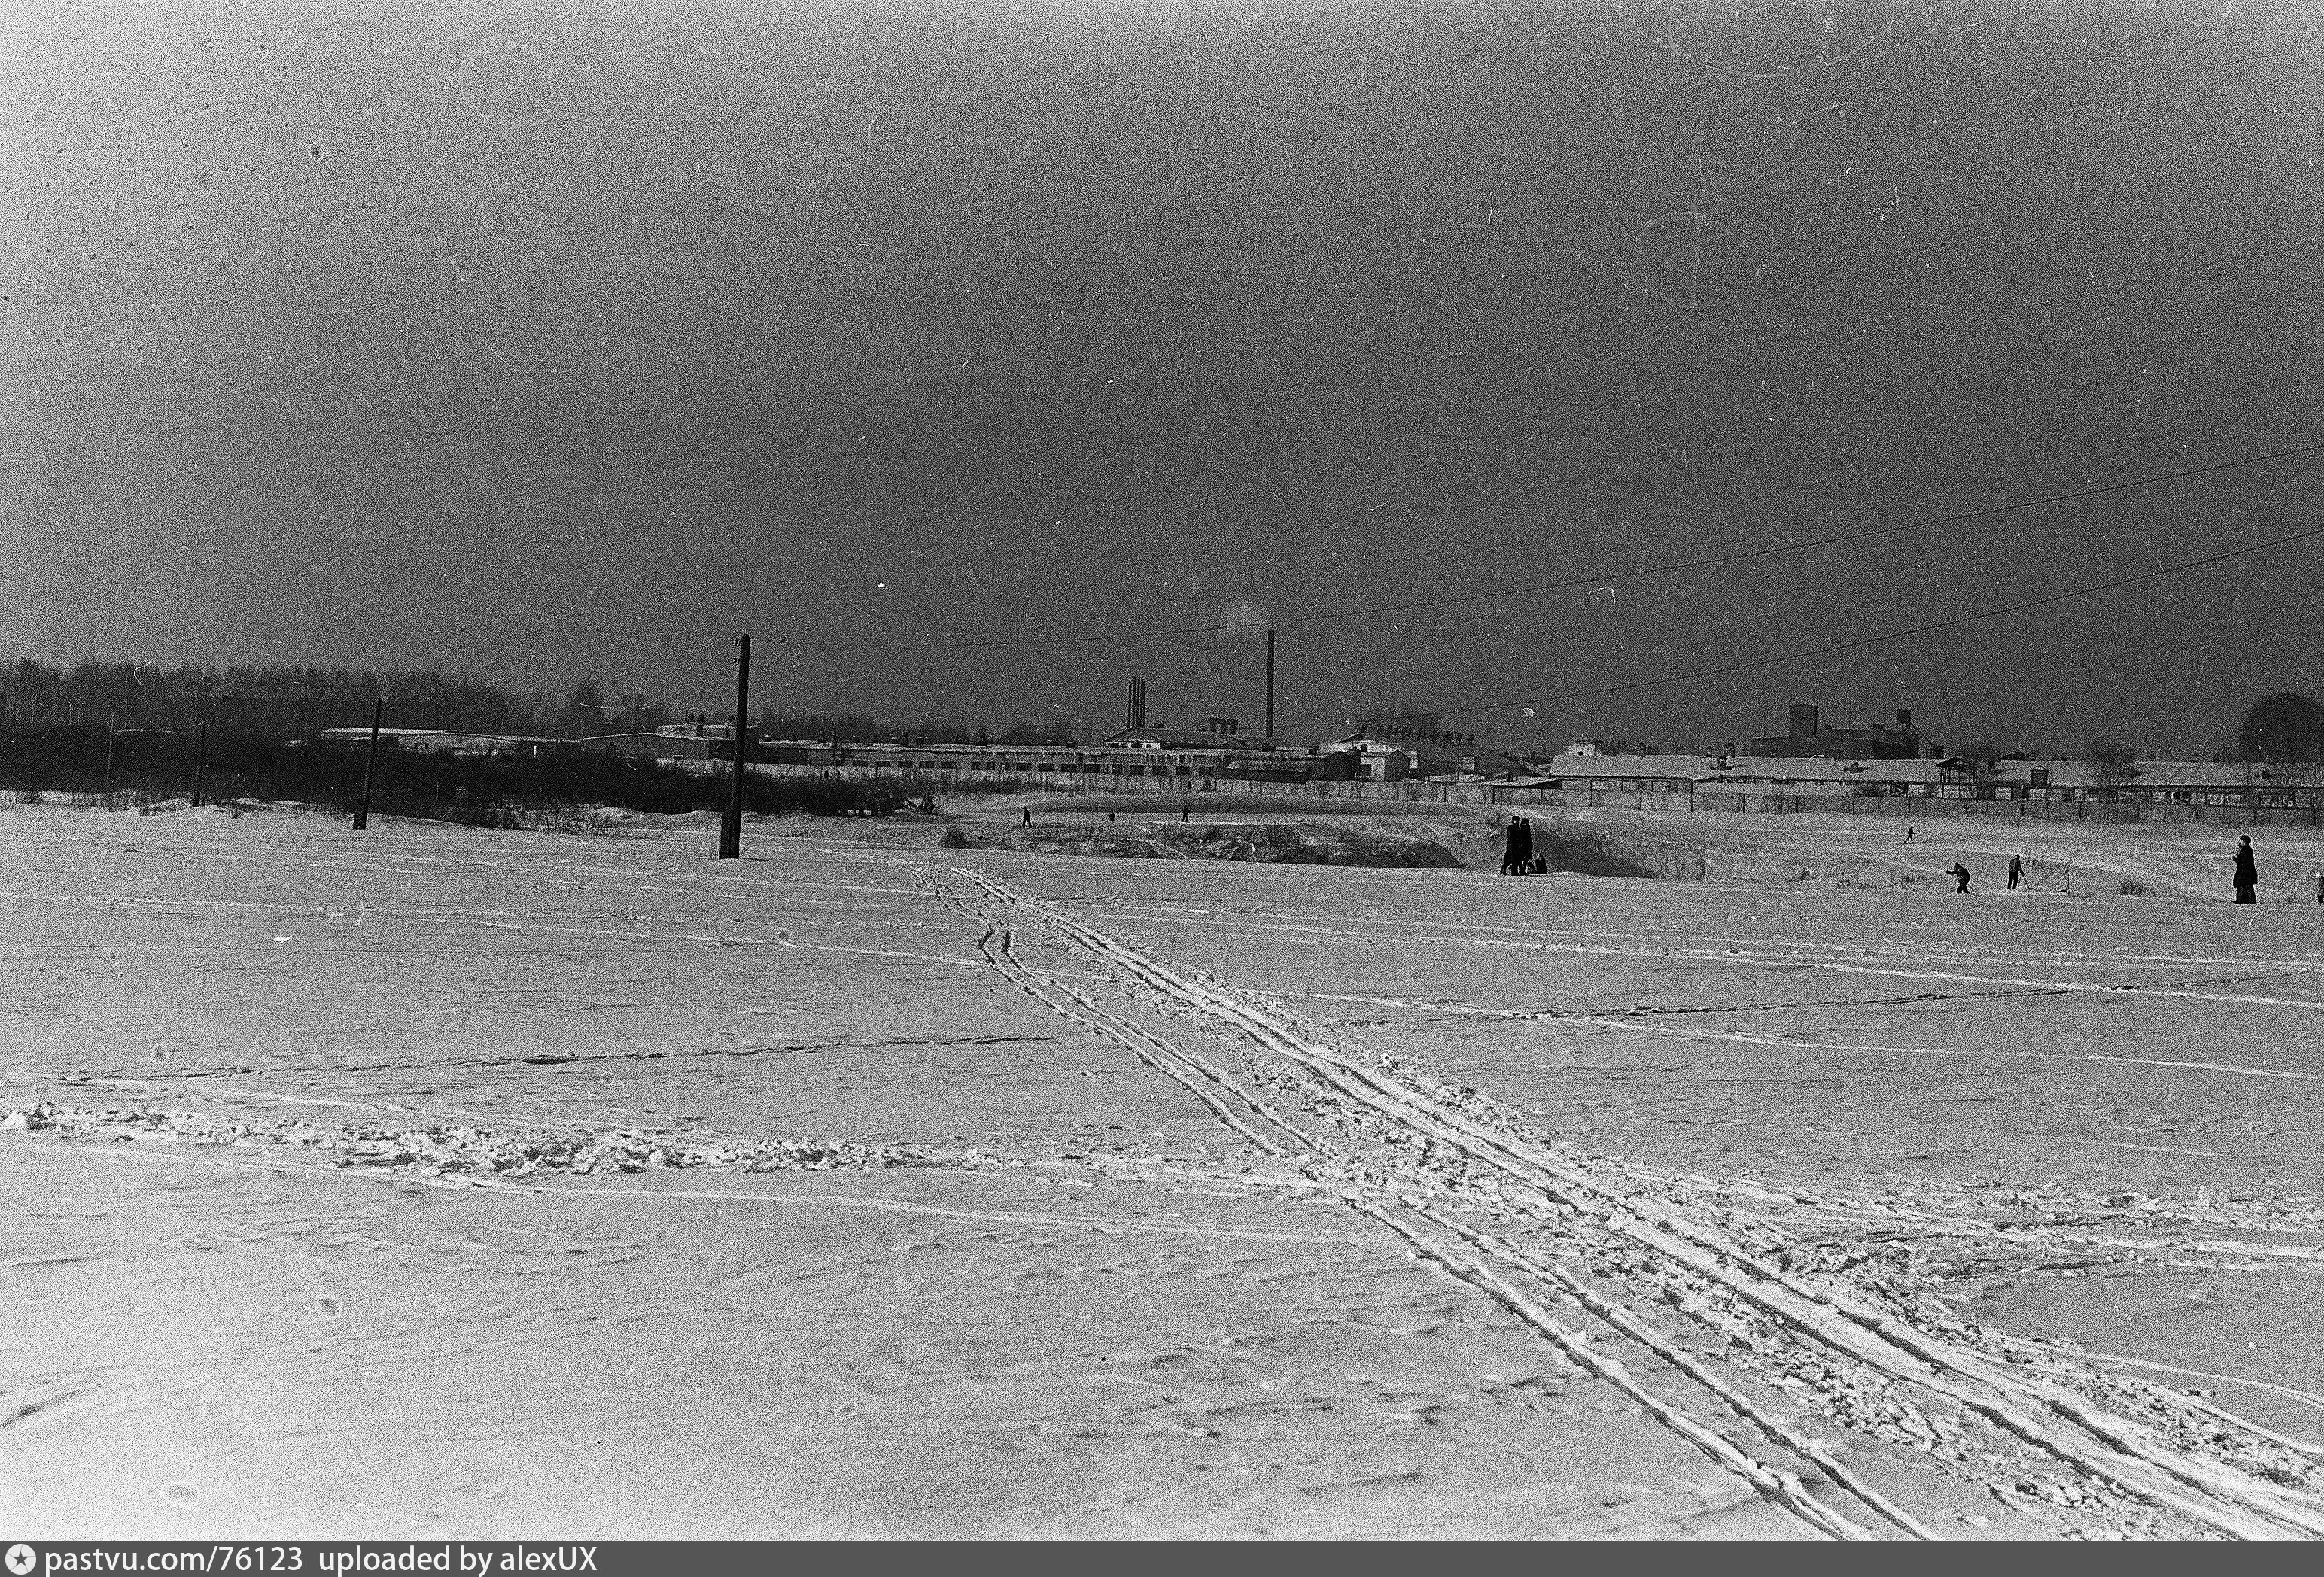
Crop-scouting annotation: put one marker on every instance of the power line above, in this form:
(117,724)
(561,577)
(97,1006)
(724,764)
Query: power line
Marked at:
(1593,577)
(1886,635)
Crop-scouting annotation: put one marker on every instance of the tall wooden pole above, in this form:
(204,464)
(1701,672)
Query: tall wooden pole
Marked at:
(363,807)
(201,758)
(1270,683)
(730,834)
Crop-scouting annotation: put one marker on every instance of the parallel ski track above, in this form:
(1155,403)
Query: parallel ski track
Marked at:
(2044,1415)
(1480,1266)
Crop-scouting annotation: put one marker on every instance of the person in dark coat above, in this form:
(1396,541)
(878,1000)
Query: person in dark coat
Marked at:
(1509,841)
(2017,870)
(1960,873)
(2246,872)
(1525,845)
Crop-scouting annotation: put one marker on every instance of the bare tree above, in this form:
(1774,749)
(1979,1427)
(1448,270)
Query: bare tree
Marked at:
(1983,759)
(637,712)
(2111,764)
(585,713)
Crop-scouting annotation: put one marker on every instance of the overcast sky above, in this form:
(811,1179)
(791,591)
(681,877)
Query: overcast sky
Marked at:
(567,340)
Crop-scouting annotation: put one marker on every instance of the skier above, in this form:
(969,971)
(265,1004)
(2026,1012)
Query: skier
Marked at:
(2246,872)
(1960,873)
(2017,869)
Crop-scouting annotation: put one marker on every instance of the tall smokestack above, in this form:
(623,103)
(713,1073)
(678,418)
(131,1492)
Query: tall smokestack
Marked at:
(1137,712)
(1270,683)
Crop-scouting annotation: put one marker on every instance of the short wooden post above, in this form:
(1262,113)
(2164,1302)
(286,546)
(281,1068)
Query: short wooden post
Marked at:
(371,759)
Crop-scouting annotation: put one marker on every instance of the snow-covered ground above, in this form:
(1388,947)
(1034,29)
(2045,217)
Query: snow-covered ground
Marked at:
(432,1180)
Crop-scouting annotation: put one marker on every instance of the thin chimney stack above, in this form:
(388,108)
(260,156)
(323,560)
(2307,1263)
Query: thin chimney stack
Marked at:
(1270,683)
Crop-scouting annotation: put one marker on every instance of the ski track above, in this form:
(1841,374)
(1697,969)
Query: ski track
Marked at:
(1806,950)
(1833,963)
(1631,1022)
(2046,1407)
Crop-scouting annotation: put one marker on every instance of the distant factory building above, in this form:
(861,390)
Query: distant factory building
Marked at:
(1388,750)
(1217,734)
(1808,736)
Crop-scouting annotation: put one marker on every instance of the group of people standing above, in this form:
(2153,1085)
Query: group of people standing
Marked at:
(1517,853)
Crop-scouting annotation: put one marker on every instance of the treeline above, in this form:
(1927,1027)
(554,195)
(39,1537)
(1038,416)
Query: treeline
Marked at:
(294,703)
(475,790)
(280,702)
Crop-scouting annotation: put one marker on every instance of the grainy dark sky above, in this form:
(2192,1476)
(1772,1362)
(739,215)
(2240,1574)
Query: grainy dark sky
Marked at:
(564,340)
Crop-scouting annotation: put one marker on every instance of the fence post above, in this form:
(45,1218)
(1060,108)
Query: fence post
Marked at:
(371,759)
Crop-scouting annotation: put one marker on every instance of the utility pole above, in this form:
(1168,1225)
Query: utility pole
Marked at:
(1270,683)
(371,759)
(201,758)
(730,832)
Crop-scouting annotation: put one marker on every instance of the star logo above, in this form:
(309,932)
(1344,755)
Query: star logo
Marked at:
(21,1560)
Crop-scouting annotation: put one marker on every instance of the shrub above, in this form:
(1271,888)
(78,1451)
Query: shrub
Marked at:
(954,838)
(2129,887)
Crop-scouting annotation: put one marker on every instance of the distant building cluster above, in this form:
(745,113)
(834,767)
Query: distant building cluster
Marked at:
(1807,736)
(2216,783)
(1809,759)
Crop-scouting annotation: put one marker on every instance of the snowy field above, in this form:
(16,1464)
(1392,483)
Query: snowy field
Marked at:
(434,1181)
